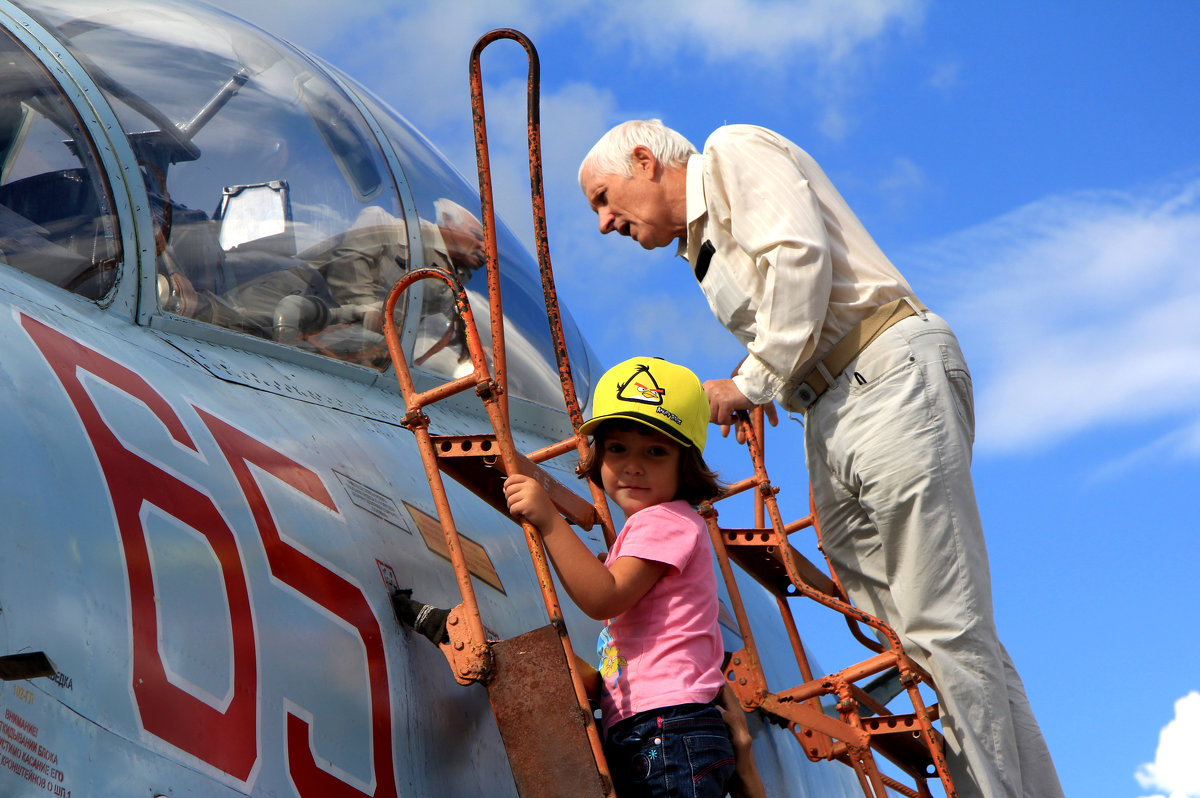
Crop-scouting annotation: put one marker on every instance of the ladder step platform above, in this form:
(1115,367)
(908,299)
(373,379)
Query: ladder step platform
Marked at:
(898,738)
(475,462)
(759,553)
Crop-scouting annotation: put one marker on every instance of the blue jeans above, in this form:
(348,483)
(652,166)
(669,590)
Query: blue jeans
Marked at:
(681,750)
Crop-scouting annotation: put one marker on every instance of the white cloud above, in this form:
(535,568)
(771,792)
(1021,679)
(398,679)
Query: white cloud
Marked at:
(1077,312)
(1175,771)
(723,30)
(414,53)
(818,50)
(902,184)
(729,30)
(681,328)
(946,76)
(1176,446)
(834,125)
(1190,443)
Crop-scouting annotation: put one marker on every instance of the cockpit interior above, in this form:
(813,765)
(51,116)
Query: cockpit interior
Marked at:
(284,201)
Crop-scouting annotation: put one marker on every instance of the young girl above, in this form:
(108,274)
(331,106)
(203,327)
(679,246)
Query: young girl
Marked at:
(660,650)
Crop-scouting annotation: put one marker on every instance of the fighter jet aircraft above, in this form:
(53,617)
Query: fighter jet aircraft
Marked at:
(209,494)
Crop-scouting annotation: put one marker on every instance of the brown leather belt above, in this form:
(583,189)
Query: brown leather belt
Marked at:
(814,383)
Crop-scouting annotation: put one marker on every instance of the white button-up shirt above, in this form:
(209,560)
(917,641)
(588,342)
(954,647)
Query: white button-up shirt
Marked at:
(785,264)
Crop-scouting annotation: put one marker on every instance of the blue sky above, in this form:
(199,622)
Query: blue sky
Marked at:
(1032,168)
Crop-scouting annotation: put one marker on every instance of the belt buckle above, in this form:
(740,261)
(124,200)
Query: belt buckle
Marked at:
(805,396)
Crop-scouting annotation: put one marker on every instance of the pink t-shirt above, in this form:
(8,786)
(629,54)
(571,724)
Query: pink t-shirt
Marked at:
(666,649)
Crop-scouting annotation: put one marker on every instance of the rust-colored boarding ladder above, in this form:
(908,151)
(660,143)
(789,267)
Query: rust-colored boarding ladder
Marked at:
(531,679)
(863,726)
(533,685)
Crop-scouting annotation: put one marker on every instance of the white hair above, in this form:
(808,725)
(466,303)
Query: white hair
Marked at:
(613,153)
(450,214)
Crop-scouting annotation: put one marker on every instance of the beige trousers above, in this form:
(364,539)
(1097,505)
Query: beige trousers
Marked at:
(889,459)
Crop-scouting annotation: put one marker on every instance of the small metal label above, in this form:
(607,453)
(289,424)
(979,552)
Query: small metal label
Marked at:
(371,500)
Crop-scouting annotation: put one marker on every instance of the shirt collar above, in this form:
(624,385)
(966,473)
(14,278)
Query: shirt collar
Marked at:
(696,208)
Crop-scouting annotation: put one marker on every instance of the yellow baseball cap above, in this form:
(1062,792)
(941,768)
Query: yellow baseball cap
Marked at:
(654,392)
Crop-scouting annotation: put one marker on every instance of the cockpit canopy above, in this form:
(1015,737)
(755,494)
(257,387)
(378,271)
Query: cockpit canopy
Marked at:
(285,201)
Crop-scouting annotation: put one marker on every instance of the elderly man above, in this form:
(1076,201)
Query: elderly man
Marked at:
(833,331)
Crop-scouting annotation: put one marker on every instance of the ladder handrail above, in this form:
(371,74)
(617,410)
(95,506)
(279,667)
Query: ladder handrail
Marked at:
(541,241)
(476,663)
(418,422)
(488,214)
(541,237)
(533,537)
(754,420)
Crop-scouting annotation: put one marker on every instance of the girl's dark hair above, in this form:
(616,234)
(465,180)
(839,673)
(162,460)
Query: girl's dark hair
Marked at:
(697,482)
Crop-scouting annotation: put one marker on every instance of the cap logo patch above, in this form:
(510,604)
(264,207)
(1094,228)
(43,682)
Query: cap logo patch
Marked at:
(648,390)
(641,388)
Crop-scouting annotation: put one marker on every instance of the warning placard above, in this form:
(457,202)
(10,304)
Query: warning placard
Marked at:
(21,753)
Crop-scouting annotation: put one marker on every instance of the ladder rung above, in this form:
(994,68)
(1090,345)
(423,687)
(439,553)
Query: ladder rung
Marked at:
(474,461)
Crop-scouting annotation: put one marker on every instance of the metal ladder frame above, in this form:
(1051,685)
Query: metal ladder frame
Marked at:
(863,725)
(468,651)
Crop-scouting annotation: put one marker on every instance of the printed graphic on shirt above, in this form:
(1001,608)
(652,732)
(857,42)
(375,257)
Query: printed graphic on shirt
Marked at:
(641,388)
(611,660)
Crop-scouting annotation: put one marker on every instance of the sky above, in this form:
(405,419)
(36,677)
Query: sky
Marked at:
(1033,168)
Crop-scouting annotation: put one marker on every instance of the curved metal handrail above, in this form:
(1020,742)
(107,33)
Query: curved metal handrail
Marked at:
(538,201)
